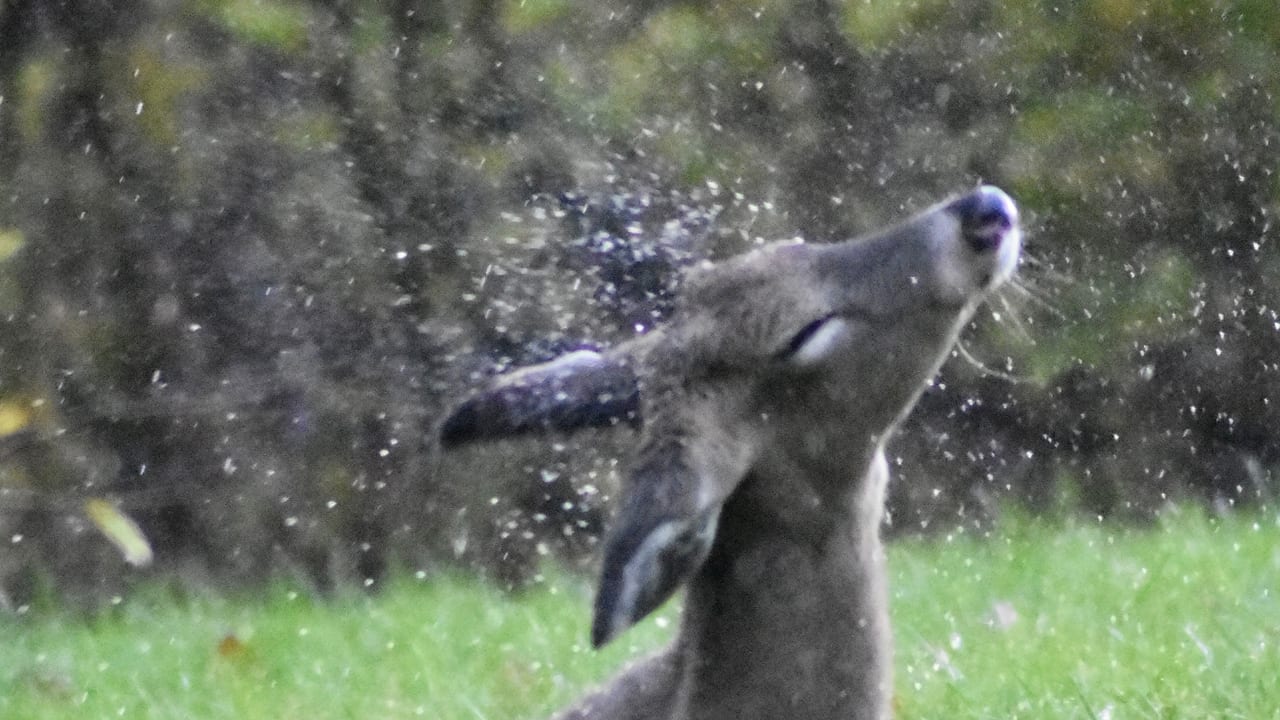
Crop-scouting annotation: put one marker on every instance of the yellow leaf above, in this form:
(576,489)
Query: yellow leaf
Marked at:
(11,241)
(121,530)
(14,416)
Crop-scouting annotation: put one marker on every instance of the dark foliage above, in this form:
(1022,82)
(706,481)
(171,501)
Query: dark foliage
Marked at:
(253,250)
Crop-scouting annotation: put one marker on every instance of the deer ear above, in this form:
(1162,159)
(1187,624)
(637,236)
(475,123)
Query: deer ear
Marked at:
(817,341)
(581,389)
(698,443)
(644,568)
(661,536)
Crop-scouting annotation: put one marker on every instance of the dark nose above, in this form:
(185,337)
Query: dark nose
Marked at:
(986,216)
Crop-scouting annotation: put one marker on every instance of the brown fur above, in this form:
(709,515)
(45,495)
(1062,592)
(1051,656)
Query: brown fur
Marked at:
(759,478)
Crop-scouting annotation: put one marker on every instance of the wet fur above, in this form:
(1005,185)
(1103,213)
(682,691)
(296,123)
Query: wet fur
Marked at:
(759,478)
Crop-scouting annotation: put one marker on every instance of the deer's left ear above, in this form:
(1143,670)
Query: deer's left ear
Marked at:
(663,532)
(695,450)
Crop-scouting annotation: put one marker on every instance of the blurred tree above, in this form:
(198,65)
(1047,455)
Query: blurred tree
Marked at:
(250,249)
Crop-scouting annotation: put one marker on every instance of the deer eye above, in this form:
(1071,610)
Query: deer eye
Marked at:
(816,341)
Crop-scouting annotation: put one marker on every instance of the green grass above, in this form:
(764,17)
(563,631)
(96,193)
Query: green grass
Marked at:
(1039,621)
(1179,621)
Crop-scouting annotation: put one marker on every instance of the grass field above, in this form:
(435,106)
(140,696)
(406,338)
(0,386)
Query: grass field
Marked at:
(1041,620)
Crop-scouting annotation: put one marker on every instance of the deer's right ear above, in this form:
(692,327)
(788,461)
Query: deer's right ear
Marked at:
(581,389)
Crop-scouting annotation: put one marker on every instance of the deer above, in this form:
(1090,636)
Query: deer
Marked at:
(761,410)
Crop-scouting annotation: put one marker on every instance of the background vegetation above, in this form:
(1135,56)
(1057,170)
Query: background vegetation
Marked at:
(253,248)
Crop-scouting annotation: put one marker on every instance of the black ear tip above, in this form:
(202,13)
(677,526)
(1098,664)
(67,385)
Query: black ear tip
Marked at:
(605,621)
(600,635)
(608,624)
(460,427)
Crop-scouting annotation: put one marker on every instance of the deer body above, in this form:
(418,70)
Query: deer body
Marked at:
(760,475)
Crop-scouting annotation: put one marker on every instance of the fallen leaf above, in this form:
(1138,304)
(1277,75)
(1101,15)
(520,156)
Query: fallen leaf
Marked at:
(121,530)
(231,646)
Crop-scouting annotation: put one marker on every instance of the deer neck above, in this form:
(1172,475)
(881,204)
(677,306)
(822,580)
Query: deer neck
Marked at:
(788,618)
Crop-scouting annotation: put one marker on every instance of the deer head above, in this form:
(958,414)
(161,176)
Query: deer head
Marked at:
(781,374)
